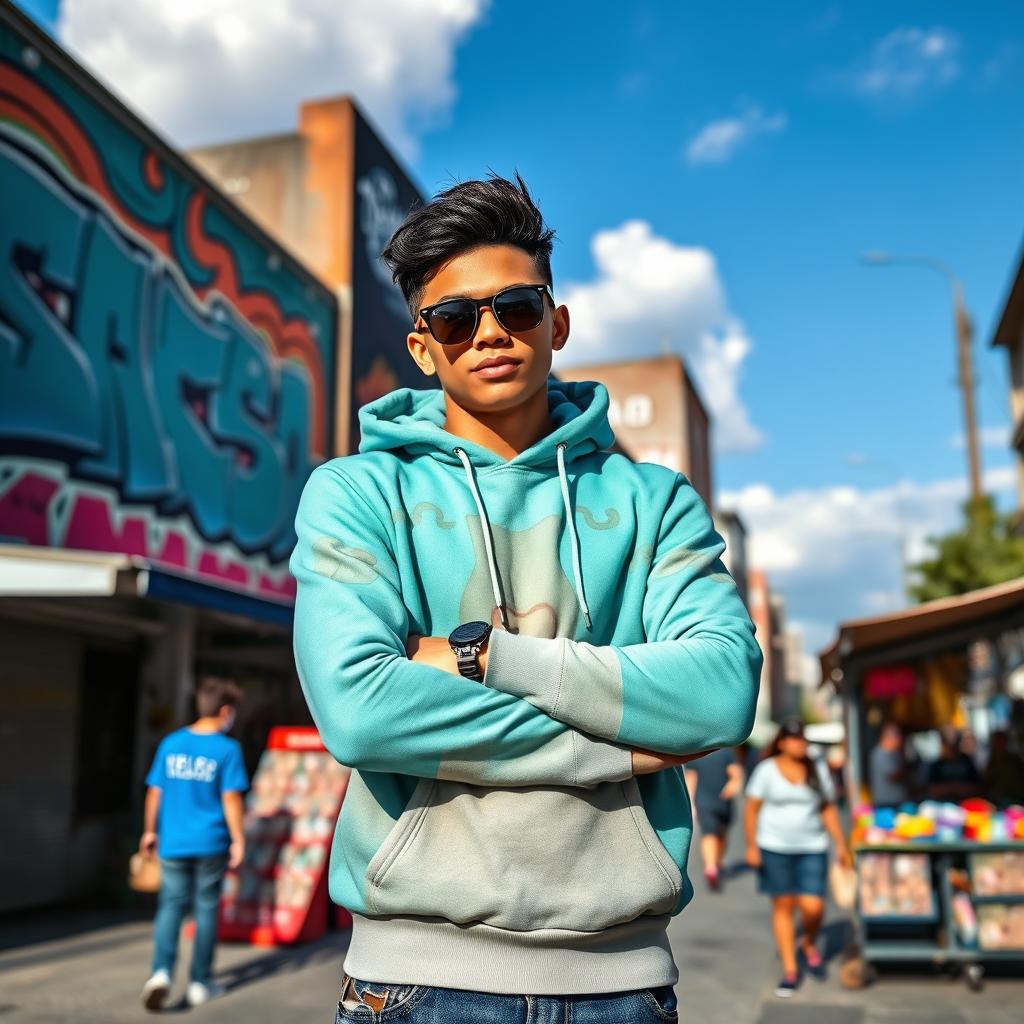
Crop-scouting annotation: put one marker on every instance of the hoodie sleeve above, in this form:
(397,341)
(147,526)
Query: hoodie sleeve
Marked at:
(379,711)
(692,687)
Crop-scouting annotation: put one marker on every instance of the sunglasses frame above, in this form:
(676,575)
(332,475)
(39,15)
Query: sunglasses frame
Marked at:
(480,304)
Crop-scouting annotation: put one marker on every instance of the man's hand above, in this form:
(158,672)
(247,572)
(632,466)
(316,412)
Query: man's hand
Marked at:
(434,651)
(843,857)
(147,844)
(647,762)
(236,854)
(753,857)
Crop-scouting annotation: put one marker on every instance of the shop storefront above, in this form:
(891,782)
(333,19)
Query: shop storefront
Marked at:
(167,376)
(938,805)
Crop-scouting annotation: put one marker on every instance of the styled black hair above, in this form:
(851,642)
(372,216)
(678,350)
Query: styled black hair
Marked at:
(473,213)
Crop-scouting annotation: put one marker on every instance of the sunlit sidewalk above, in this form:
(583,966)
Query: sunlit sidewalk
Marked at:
(89,969)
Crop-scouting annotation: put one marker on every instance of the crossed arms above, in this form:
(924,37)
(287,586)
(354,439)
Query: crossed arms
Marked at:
(551,712)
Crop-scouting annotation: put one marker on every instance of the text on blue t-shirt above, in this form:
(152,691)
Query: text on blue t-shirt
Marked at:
(193,770)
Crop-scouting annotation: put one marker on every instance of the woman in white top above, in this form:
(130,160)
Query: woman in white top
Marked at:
(790,815)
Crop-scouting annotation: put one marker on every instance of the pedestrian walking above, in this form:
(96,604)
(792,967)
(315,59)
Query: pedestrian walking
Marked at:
(714,782)
(790,815)
(514,636)
(193,820)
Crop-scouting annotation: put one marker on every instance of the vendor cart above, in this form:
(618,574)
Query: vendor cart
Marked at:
(948,895)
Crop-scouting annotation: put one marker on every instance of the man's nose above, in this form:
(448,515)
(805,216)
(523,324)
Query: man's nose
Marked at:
(488,330)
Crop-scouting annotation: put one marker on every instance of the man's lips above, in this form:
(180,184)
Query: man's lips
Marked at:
(500,366)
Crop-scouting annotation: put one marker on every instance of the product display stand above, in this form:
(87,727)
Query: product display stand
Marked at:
(279,895)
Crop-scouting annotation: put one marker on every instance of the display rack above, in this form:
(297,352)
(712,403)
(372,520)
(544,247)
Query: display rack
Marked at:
(279,895)
(936,939)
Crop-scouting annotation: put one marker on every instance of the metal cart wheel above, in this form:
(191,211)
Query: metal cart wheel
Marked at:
(856,973)
(974,975)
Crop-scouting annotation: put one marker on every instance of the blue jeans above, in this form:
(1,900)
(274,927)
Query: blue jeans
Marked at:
(188,883)
(370,1003)
(793,874)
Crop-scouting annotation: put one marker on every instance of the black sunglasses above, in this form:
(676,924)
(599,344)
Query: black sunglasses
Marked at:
(519,308)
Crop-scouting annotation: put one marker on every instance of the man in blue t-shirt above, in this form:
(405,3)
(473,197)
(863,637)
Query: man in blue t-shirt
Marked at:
(193,817)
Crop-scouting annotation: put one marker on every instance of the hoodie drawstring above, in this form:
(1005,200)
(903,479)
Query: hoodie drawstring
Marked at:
(570,519)
(485,524)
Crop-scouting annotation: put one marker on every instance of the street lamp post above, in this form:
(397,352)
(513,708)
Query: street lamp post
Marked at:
(965,366)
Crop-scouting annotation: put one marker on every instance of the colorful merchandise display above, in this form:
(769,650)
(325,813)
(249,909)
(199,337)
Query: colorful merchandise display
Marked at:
(931,821)
(279,895)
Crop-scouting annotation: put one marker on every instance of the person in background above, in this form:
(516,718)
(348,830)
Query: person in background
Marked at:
(953,776)
(1004,773)
(790,815)
(193,819)
(890,773)
(714,781)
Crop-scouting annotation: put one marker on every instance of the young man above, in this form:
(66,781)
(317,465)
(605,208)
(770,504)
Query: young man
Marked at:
(195,793)
(510,633)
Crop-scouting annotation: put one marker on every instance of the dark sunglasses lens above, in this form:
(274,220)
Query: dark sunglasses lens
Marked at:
(452,323)
(519,309)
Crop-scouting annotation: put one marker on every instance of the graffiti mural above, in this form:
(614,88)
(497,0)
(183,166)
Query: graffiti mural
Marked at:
(166,373)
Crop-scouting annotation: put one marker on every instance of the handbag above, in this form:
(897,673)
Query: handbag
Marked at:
(843,882)
(144,873)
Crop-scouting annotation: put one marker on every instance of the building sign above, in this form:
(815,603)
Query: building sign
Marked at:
(384,194)
(166,372)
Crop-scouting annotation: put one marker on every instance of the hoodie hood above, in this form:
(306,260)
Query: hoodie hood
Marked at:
(413,421)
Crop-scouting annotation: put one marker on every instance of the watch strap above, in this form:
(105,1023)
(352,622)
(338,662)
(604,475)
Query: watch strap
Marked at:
(468,659)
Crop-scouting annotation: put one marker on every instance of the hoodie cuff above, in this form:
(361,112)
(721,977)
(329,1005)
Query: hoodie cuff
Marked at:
(525,666)
(531,667)
(598,761)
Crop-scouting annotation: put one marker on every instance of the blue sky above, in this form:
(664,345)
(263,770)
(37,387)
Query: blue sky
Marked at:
(713,172)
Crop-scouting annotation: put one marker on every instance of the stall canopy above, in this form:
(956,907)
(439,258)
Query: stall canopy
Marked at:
(947,624)
(27,571)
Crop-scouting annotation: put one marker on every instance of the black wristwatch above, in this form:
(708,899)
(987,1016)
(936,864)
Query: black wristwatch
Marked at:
(467,641)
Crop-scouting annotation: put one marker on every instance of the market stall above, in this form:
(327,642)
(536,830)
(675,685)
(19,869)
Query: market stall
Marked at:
(937,821)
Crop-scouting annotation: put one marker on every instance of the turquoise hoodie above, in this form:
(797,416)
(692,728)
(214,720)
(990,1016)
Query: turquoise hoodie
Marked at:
(493,836)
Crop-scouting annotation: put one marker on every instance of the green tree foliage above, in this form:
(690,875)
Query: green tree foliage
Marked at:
(982,553)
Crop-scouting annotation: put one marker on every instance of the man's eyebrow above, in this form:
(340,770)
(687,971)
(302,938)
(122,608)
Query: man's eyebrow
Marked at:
(503,288)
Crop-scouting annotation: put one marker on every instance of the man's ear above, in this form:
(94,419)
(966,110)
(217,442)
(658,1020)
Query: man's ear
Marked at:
(559,328)
(420,353)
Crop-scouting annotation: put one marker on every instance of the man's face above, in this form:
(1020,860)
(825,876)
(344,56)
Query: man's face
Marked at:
(480,273)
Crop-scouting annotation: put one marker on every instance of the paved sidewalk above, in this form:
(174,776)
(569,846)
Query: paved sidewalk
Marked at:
(86,971)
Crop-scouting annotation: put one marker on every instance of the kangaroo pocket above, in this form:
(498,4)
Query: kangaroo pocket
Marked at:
(524,859)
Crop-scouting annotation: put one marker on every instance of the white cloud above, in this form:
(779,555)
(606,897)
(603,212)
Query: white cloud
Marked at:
(206,70)
(988,437)
(718,141)
(834,552)
(905,63)
(650,291)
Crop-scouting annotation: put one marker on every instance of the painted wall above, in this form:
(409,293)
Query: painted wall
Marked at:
(166,371)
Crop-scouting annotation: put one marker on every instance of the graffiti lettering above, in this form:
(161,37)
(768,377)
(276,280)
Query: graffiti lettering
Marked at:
(109,364)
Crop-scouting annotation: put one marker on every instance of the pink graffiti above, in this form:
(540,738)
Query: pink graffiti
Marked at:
(23,509)
(24,516)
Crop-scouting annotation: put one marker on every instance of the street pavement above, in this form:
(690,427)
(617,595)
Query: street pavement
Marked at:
(89,969)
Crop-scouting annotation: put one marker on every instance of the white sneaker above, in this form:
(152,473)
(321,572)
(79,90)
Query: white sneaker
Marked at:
(197,993)
(156,991)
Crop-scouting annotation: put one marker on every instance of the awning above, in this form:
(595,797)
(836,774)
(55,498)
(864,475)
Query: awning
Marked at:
(939,625)
(27,571)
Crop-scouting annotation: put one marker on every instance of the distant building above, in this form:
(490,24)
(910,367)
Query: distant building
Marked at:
(778,698)
(333,192)
(657,414)
(734,533)
(1010,334)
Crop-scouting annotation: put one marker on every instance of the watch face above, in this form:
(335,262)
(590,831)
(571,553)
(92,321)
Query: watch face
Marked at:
(469,633)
